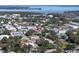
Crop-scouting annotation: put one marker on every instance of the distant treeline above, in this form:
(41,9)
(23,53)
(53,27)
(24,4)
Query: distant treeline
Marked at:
(19,12)
(20,7)
(74,12)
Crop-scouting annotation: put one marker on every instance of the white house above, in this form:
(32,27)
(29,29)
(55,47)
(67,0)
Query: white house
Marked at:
(50,16)
(34,38)
(71,26)
(49,51)
(17,33)
(1,36)
(25,38)
(49,40)
(10,27)
(31,27)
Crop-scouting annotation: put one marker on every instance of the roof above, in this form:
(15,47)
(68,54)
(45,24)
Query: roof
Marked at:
(25,38)
(1,36)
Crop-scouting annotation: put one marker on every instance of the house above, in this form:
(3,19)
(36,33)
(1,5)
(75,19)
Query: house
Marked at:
(71,26)
(51,50)
(49,40)
(74,23)
(63,36)
(2,36)
(17,33)
(9,27)
(28,42)
(2,16)
(11,52)
(24,38)
(21,27)
(15,15)
(38,29)
(62,31)
(56,30)
(50,15)
(34,38)
(7,16)
(1,29)
(1,51)
(31,27)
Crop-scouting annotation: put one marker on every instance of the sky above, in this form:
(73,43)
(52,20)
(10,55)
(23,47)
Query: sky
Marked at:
(39,2)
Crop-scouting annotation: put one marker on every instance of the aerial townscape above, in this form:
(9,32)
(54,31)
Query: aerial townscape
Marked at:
(36,32)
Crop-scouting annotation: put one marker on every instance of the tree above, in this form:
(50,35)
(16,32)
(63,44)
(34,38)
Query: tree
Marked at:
(11,44)
(50,46)
(6,32)
(71,36)
(70,46)
(30,32)
(44,45)
(76,39)
(4,40)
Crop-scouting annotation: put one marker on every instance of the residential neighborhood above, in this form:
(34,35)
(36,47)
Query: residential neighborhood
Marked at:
(30,32)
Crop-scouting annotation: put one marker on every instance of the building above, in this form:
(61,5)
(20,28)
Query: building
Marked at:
(15,15)
(51,50)
(21,27)
(17,33)
(71,26)
(2,36)
(56,30)
(9,27)
(24,38)
(34,38)
(31,27)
